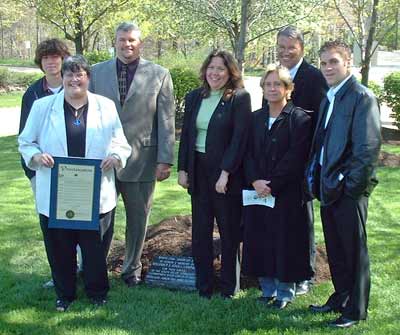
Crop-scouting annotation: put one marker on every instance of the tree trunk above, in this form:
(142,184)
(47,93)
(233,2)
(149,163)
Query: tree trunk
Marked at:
(365,64)
(78,41)
(241,44)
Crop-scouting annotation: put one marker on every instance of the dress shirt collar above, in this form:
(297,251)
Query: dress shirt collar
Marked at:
(294,69)
(131,66)
(334,89)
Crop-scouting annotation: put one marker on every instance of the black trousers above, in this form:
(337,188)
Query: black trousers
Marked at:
(344,225)
(310,223)
(61,253)
(207,204)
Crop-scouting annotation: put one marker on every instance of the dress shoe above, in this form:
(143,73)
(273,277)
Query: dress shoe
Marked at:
(265,300)
(132,281)
(280,304)
(323,309)
(227,296)
(98,301)
(343,322)
(205,295)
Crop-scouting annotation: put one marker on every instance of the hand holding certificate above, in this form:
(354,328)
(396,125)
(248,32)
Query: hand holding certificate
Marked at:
(250,197)
(75,193)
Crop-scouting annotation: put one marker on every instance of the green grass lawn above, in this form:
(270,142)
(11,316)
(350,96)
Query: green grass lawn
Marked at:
(12,99)
(392,149)
(27,308)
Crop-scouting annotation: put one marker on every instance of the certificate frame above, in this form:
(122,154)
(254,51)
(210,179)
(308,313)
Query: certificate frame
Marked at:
(66,223)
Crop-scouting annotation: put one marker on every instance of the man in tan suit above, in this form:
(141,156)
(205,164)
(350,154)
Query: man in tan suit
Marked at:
(143,94)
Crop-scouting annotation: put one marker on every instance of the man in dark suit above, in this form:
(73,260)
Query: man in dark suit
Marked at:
(309,90)
(143,94)
(341,174)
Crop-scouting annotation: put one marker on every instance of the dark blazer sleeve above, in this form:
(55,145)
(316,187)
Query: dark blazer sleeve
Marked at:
(183,152)
(241,111)
(250,165)
(366,142)
(291,167)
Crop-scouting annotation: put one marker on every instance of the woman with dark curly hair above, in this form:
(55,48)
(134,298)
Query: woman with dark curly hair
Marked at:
(213,142)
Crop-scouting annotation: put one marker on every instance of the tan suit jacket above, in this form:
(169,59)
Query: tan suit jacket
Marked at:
(147,117)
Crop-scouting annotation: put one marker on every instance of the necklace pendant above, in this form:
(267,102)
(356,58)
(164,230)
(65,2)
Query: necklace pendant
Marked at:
(77,122)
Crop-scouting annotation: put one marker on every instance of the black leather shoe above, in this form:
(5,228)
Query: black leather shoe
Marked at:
(132,281)
(343,322)
(323,309)
(265,300)
(279,304)
(205,295)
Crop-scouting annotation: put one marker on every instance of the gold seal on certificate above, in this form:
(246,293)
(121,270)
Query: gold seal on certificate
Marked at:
(69,214)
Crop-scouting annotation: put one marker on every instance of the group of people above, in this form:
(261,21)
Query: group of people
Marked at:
(316,136)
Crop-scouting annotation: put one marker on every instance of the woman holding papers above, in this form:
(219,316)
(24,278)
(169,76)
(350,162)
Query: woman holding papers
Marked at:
(75,123)
(275,229)
(212,146)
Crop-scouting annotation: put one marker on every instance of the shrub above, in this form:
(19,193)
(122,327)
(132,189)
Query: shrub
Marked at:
(4,77)
(376,89)
(184,81)
(17,80)
(95,57)
(392,95)
(24,79)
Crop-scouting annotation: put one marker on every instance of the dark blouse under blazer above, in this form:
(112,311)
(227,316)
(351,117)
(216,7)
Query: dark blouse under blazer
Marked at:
(226,138)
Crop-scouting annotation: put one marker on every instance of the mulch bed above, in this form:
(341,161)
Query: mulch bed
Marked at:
(173,237)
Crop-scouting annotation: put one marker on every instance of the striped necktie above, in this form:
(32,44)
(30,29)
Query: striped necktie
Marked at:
(122,83)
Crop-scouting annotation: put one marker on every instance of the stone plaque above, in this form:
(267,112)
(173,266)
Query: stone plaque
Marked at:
(175,272)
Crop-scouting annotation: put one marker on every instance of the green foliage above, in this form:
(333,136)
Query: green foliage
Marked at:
(10,79)
(392,95)
(376,88)
(184,80)
(4,77)
(95,57)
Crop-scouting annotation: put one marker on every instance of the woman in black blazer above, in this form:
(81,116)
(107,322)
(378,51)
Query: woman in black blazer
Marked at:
(275,245)
(212,145)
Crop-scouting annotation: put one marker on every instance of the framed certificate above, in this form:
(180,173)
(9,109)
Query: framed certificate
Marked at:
(75,193)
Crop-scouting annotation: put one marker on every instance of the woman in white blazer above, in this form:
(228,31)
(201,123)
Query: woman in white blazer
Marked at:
(75,123)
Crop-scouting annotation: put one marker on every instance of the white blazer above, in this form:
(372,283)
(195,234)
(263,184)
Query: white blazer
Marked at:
(45,132)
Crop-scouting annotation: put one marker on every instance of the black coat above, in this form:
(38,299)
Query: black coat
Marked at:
(276,239)
(309,90)
(34,92)
(225,141)
(351,145)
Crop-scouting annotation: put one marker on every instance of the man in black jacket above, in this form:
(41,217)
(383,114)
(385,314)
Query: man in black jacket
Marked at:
(341,174)
(309,89)
(49,56)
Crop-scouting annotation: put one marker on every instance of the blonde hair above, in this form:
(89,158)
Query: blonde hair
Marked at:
(283,75)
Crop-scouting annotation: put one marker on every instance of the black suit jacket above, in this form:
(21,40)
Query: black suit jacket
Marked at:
(309,89)
(226,139)
(351,145)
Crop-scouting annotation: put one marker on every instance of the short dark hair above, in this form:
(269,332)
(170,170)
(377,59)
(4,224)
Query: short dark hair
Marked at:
(52,46)
(75,63)
(235,80)
(292,32)
(339,46)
